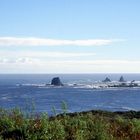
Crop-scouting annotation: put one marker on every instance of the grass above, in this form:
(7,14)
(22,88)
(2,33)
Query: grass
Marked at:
(90,125)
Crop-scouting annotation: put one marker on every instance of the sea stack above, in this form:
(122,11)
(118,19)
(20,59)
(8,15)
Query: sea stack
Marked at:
(107,80)
(56,82)
(121,79)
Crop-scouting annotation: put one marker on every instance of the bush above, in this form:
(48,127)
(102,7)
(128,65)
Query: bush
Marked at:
(92,125)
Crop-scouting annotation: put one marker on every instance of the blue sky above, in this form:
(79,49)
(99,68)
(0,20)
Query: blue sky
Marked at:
(69,36)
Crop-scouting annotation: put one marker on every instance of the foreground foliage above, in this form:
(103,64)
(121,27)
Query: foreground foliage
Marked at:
(92,125)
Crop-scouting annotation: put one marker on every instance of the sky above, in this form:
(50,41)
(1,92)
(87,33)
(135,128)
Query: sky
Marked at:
(69,36)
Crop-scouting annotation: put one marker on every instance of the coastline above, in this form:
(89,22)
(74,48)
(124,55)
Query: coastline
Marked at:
(125,114)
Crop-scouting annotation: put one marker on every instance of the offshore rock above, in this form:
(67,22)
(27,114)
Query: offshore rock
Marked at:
(56,82)
(121,79)
(107,80)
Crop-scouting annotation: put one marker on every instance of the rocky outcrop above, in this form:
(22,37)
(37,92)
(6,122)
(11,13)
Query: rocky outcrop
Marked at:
(121,79)
(56,82)
(107,80)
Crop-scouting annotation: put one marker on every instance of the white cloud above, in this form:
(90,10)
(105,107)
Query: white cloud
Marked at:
(29,65)
(98,62)
(32,41)
(69,62)
(102,66)
(22,60)
(27,60)
(65,54)
(42,54)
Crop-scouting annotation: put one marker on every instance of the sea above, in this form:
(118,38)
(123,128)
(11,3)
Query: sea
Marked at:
(32,91)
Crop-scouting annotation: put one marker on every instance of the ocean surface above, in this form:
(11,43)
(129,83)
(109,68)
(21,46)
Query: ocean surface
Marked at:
(21,90)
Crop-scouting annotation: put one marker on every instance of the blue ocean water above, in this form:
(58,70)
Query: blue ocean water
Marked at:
(18,90)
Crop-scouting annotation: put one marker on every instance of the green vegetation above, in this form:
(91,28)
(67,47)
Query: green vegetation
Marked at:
(91,125)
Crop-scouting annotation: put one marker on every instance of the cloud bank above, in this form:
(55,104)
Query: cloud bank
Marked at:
(44,54)
(30,65)
(32,41)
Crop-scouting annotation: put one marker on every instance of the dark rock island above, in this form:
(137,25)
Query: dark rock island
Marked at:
(56,82)
(121,79)
(107,80)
